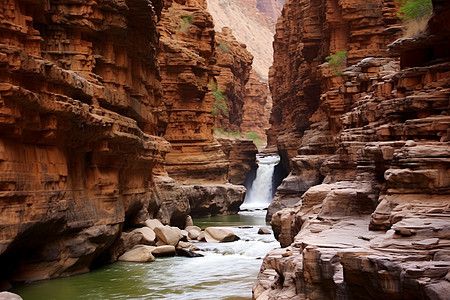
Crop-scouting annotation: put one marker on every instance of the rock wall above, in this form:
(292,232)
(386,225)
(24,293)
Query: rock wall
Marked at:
(371,179)
(252,22)
(186,59)
(257,107)
(78,130)
(232,71)
(194,67)
(84,106)
(306,33)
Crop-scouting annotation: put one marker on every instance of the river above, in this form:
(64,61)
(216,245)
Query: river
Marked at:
(227,271)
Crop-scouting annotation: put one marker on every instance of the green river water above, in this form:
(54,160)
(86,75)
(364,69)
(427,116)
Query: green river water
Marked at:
(227,271)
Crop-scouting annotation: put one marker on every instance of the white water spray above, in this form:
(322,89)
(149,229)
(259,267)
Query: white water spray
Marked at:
(259,194)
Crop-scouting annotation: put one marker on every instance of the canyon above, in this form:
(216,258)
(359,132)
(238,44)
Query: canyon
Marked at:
(106,121)
(113,113)
(364,212)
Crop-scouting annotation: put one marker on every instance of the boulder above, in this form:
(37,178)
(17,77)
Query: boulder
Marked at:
(167,235)
(126,241)
(201,237)
(167,250)
(148,234)
(139,253)
(188,253)
(219,235)
(189,221)
(9,296)
(182,244)
(189,228)
(263,230)
(194,234)
(153,223)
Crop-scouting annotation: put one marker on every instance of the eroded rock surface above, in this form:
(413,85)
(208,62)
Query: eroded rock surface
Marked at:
(79,130)
(374,222)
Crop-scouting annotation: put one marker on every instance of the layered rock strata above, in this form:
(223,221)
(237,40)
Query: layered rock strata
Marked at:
(232,71)
(194,67)
(374,223)
(306,33)
(186,59)
(79,130)
(257,107)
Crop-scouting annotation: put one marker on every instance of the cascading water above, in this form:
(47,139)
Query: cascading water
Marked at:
(260,193)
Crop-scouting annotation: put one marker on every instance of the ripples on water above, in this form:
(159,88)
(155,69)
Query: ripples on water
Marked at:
(227,271)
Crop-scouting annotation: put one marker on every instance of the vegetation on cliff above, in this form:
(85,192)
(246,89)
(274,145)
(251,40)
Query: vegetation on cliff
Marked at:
(219,106)
(414,15)
(337,61)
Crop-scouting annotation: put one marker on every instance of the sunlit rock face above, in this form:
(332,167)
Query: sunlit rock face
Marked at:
(253,23)
(232,72)
(79,130)
(196,62)
(371,174)
(306,33)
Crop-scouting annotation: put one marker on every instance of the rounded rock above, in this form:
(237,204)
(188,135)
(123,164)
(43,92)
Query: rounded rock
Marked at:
(167,235)
(148,234)
(137,254)
(219,235)
(166,250)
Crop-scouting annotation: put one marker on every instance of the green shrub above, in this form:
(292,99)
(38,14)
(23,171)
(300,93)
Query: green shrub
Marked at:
(256,140)
(221,133)
(252,135)
(220,104)
(415,9)
(337,61)
(186,23)
(414,15)
(224,47)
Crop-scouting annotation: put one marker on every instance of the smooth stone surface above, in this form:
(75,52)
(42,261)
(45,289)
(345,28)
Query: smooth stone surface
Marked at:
(153,223)
(148,234)
(166,250)
(194,234)
(188,253)
(167,235)
(182,244)
(189,221)
(219,235)
(263,230)
(137,254)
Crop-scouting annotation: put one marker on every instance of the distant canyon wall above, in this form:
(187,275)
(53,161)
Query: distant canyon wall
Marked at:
(252,23)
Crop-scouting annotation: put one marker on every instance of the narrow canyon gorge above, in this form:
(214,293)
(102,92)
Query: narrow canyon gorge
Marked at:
(121,120)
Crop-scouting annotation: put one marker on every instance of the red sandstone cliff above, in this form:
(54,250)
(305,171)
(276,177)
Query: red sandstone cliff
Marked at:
(193,68)
(252,22)
(370,184)
(232,72)
(78,130)
(256,108)
(307,32)
(84,103)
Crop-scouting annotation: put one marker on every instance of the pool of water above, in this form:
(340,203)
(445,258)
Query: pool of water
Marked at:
(227,271)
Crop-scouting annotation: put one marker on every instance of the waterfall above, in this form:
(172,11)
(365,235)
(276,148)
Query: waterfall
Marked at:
(259,195)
